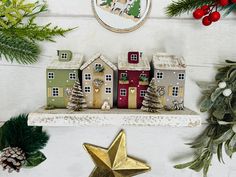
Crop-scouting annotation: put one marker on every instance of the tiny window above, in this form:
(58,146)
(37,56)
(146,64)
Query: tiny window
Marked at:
(108,90)
(50,75)
(175,91)
(142,93)
(108,77)
(87,77)
(181,76)
(98,65)
(55,92)
(64,56)
(143,75)
(87,89)
(122,92)
(134,57)
(160,75)
(72,76)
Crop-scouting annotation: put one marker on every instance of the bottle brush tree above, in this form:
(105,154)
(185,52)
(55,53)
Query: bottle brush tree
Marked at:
(135,8)
(77,101)
(151,102)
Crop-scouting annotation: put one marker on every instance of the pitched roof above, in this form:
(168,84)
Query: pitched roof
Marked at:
(74,63)
(168,62)
(123,64)
(100,56)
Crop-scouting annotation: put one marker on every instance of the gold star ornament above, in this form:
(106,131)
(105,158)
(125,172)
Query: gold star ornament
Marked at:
(114,161)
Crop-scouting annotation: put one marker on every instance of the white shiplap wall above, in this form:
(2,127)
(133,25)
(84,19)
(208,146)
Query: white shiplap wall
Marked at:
(22,88)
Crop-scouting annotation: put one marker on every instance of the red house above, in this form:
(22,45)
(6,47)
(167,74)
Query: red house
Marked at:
(133,73)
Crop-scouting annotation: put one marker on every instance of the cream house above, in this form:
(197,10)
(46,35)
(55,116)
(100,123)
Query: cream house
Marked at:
(98,81)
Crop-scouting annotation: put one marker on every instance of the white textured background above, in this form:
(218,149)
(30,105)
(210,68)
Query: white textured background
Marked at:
(22,88)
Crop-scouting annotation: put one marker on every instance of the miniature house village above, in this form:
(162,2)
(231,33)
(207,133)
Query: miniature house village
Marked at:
(99,79)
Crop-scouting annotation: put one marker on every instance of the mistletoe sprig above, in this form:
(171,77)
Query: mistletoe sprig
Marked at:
(20,144)
(220,103)
(207,10)
(19,32)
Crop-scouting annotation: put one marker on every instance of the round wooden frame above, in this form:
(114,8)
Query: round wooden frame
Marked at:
(127,30)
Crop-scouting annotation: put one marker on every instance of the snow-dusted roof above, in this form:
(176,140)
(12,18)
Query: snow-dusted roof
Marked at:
(123,64)
(100,56)
(74,63)
(168,62)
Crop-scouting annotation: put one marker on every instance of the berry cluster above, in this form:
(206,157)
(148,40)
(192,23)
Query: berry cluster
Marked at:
(210,13)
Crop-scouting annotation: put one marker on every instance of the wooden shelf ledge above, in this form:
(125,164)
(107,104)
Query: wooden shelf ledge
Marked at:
(115,117)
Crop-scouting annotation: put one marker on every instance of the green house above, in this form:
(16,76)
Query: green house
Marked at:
(61,75)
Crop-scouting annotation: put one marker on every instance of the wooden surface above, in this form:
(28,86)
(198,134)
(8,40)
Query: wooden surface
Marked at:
(22,88)
(114,117)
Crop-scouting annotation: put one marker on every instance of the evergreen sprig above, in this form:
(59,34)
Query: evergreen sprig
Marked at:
(221,133)
(179,7)
(13,47)
(14,27)
(16,133)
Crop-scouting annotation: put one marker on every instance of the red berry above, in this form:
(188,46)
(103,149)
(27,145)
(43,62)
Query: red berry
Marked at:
(215,16)
(224,2)
(206,9)
(233,1)
(198,13)
(206,21)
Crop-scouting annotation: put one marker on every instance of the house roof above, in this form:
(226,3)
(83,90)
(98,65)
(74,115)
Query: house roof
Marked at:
(74,63)
(100,56)
(123,64)
(168,62)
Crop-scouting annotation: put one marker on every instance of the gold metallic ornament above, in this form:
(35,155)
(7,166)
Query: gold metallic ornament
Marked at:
(114,161)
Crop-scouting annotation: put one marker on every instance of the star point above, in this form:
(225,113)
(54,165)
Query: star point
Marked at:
(114,161)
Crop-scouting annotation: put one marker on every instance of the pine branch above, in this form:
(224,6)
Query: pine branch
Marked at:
(176,8)
(16,133)
(34,32)
(18,49)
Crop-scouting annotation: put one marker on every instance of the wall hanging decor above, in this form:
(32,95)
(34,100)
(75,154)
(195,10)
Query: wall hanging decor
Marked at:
(206,10)
(20,144)
(220,103)
(121,15)
(114,161)
(19,33)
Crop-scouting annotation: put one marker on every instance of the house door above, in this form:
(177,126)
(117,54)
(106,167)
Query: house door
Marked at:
(132,98)
(97,101)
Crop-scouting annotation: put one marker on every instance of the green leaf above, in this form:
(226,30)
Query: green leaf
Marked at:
(228,151)
(216,94)
(219,153)
(184,165)
(220,112)
(35,159)
(224,137)
(206,105)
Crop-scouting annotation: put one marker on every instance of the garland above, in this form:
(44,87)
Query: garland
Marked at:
(20,144)
(220,103)
(207,10)
(19,33)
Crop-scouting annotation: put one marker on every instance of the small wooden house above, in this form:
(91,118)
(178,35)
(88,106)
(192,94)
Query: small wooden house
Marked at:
(133,74)
(61,76)
(169,72)
(98,81)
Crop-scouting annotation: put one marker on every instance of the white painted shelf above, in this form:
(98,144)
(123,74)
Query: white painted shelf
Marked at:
(116,117)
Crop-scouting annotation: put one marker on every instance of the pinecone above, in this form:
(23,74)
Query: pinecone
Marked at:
(12,158)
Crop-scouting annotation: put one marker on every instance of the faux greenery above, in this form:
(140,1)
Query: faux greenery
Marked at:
(143,79)
(99,69)
(178,7)
(17,23)
(220,135)
(16,133)
(124,78)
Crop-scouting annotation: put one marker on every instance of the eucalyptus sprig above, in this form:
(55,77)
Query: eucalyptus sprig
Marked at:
(220,103)
(17,23)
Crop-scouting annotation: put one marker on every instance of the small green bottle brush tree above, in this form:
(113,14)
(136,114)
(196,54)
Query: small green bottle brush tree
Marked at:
(19,33)
(219,102)
(207,10)
(20,144)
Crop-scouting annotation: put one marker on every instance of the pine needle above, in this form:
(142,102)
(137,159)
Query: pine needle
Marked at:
(15,48)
